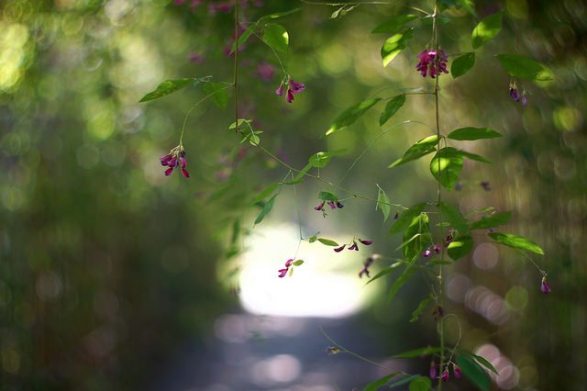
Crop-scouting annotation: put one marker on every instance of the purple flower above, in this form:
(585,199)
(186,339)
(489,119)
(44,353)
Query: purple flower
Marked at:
(339,249)
(320,206)
(436,248)
(427,253)
(196,58)
(433,373)
(354,246)
(432,63)
(485,185)
(449,238)
(293,88)
(516,96)
(339,205)
(331,204)
(545,286)
(445,376)
(175,158)
(265,71)
(366,242)
(283,272)
(438,313)
(457,371)
(367,264)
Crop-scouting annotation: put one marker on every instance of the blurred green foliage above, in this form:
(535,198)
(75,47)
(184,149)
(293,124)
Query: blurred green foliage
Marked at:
(107,265)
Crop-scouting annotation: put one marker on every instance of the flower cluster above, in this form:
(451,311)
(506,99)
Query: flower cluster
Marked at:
(516,96)
(283,272)
(175,158)
(444,375)
(289,87)
(354,245)
(432,63)
(367,264)
(331,204)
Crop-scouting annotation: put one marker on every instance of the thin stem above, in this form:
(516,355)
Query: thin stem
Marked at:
(235,70)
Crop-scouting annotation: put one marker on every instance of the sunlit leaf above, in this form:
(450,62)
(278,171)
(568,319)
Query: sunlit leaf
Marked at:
(267,207)
(320,159)
(446,166)
(240,122)
(462,64)
(486,29)
(169,86)
(342,11)
(454,217)
(420,383)
(516,241)
(471,133)
(474,372)
(350,115)
(327,242)
(298,262)
(405,219)
(277,38)
(218,92)
(421,148)
(391,108)
(460,246)
(327,196)
(473,156)
(394,24)
(421,308)
(492,221)
(383,203)
(375,385)
(420,352)
(482,361)
(394,45)
(524,67)
(385,272)
(402,381)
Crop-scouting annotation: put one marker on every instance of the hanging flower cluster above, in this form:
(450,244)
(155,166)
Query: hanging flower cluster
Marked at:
(288,267)
(545,286)
(445,374)
(175,158)
(432,63)
(354,245)
(516,96)
(289,87)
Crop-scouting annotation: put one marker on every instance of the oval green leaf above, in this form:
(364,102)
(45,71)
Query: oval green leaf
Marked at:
(516,241)
(470,133)
(459,247)
(474,372)
(492,221)
(454,217)
(277,38)
(166,88)
(421,148)
(394,45)
(446,166)
(383,203)
(350,115)
(524,67)
(391,108)
(327,242)
(267,207)
(462,64)
(327,196)
(486,30)
(405,219)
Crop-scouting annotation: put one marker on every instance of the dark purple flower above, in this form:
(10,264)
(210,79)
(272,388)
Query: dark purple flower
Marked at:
(283,272)
(320,206)
(293,87)
(433,372)
(279,90)
(366,242)
(485,185)
(175,158)
(449,238)
(436,248)
(265,71)
(354,246)
(438,313)
(331,204)
(367,264)
(457,371)
(339,249)
(196,58)
(296,87)
(432,63)
(514,94)
(339,205)
(545,286)
(427,253)
(220,7)
(445,376)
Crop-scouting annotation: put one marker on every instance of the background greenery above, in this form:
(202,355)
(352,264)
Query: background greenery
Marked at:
(107,265)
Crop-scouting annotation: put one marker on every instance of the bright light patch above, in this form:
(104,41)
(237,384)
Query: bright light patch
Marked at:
(326,285)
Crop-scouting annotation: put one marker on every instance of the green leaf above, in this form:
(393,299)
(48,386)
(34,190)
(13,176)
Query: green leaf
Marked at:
(299,262)
(406,218)
(421,308)
(327,196)
(266,192)
(244,37)
(385,272)
(267,207)
(377,384)
(454,217)
(420,383)
(486,29)
(446,166)
(342,11)
(492,221)
(218,91)
(460,246)
(239,123)
(462,64)
(402,381)
(299,176)
(277,38)
(350,115)
(467,5)
(421,148)
(470,133)
(402,279)
(516,241)
(474,372)
(327,242)
(383,203)
(420,352)
(313,238)
(320,159)
(483,362)
(391,108)
(394,25)
(169,86)
(473,156)
(394,45)
(524,67)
